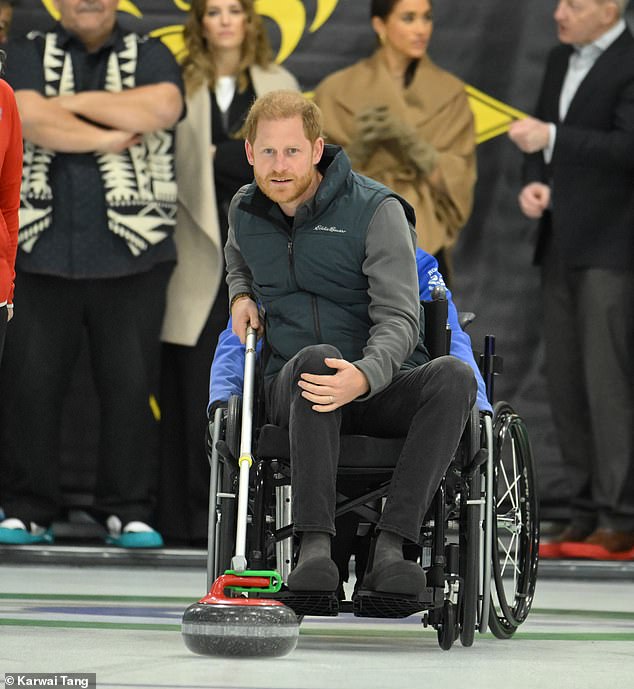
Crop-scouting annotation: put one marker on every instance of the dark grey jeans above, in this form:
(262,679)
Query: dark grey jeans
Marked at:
(428,405)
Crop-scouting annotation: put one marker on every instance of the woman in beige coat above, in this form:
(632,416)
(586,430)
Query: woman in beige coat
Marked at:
(228,65)
(407,123)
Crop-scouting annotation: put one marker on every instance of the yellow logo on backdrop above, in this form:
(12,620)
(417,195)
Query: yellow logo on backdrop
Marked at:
(289,15)
(492,117)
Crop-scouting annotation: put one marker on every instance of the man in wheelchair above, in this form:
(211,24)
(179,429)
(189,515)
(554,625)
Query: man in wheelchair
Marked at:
(227,379)
(330,257)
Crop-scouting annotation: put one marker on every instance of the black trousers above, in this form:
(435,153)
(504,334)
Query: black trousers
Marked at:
(122,317)
(183,499)
(429,405)
(588,331)
(4,314)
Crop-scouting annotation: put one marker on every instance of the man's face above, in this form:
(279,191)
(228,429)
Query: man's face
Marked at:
(284,161)
(580,22)
(89,20)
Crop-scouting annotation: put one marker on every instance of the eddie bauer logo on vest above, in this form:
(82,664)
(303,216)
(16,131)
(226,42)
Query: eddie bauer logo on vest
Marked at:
(323,228)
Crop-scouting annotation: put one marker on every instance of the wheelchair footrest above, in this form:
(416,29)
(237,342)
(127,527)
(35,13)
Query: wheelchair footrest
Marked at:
(318,603)
(393,605)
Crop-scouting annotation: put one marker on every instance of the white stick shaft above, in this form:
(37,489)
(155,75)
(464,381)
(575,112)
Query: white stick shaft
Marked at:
(239,562)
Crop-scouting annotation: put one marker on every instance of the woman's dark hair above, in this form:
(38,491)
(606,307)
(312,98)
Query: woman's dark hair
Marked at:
(3,61)
(383,8)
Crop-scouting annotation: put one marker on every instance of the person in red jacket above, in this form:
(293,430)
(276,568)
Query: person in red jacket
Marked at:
(10,179)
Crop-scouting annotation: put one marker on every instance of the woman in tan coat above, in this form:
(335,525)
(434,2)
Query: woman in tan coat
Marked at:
(407,123)
(228,65)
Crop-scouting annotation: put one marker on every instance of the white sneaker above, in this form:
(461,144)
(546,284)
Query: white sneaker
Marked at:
(15,532)
(134,534)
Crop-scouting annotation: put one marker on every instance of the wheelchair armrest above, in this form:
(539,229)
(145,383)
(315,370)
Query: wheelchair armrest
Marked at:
(437,333)
(218,404)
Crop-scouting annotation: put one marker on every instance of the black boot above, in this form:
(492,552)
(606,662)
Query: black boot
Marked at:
(389,572)
(315,570)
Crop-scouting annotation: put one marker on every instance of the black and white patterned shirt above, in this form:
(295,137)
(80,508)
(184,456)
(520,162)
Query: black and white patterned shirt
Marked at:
(79,244)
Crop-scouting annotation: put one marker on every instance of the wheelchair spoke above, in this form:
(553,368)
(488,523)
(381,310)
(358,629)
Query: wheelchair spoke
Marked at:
(507,549)
(511,523)
(516,473)
(510,562)
(507,495)
(511,491)
(510,555)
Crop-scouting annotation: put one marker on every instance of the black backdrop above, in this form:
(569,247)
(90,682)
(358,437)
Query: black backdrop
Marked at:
(495,45)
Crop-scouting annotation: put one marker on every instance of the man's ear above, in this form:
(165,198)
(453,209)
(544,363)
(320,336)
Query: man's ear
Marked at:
(248,149)
(611,13)
(318,149)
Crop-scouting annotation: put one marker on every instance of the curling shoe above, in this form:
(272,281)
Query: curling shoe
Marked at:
(389,572)
(315,569)
(318,573)
(395,576)
(15,532)
(134,534)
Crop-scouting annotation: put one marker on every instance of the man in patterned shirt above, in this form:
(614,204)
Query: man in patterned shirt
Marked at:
(95,253)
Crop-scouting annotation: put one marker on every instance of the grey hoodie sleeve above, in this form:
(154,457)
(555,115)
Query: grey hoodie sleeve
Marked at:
(239,276)
(390,266)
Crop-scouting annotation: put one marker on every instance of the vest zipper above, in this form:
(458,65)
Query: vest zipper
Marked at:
(291,265)
(316,319)
(291,260)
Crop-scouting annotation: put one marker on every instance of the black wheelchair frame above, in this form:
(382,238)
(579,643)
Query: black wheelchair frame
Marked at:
(479,541)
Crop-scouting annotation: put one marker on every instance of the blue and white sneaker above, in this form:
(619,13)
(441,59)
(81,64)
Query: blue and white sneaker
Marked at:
(15,532)
(132,535)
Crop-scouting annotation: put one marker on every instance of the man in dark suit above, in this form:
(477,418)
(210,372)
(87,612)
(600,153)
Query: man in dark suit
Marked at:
(579,177)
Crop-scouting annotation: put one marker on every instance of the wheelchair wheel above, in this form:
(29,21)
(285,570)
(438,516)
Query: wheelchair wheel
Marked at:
(470,532)
(448,626)
(515,523)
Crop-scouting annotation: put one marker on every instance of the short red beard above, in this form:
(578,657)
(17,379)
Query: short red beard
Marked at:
(292,192)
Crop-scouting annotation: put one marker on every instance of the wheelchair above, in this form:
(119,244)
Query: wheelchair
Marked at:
(478,543)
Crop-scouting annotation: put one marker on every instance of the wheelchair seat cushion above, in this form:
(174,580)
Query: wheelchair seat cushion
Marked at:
(357,451)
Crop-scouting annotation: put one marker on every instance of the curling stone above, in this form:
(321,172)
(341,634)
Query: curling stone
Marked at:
(239,627)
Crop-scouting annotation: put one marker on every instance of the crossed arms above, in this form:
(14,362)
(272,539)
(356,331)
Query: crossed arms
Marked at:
(97,121)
